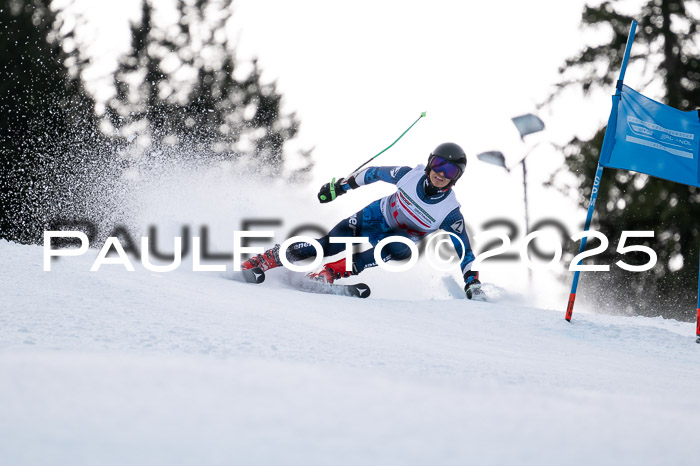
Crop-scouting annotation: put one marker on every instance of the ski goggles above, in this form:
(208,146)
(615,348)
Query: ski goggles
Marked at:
(450,170)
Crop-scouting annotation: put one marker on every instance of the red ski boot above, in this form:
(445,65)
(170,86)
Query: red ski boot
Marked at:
(332,272)
(266,261)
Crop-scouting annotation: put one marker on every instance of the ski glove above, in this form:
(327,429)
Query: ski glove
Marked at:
(330,191)
(473,288)
(473,285)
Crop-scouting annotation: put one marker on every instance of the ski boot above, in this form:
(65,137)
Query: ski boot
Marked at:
(332,272)
(265,261)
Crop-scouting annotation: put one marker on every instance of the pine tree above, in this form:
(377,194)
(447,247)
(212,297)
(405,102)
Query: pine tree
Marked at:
(211,113)
(46,120)
(666,44)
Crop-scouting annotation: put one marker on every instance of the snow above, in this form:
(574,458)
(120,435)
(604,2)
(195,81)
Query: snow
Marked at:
(141,368)
(118,367)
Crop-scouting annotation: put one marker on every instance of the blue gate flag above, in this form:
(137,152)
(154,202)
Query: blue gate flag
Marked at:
(655,139)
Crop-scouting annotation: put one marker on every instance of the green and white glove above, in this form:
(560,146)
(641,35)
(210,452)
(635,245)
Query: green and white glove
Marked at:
(330,191)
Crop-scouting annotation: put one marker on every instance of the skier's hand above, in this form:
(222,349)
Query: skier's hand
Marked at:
(330,191)
(473,289)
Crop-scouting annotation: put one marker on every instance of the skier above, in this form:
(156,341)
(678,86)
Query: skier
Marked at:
(423,203)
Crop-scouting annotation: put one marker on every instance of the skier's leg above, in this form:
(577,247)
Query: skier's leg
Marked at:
(392,251)
(361,261)
(296,252)
(359,224)
(368,222)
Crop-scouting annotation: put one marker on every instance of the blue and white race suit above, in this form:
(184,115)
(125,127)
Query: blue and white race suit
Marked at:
(409,212)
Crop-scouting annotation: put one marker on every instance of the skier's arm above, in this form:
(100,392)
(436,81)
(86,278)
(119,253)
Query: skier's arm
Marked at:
(335,188)
(454,223)
(388,174)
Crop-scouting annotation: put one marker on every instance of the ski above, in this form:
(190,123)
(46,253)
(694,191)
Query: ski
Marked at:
(255,275)
(357,290)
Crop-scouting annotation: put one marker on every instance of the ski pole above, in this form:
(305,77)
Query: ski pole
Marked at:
(388,147)
(354,172)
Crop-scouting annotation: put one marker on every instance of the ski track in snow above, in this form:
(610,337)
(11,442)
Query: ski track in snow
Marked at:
(135,368)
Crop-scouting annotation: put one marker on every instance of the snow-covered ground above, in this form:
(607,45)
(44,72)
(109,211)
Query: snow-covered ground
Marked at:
(141,368)
(117,367)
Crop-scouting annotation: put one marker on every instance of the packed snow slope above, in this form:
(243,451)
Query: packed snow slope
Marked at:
(115,367)
(191,368)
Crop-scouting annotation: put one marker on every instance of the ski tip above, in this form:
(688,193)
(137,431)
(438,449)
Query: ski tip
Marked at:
(361,290)
(422,114)
(255,275)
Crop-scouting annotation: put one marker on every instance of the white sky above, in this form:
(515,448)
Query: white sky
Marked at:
(358,74)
